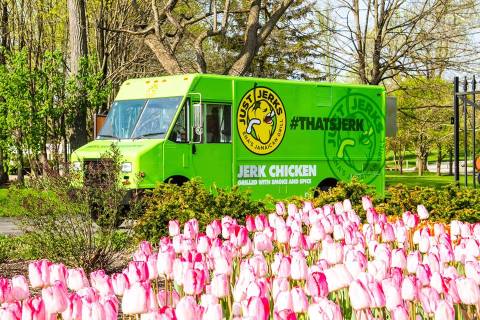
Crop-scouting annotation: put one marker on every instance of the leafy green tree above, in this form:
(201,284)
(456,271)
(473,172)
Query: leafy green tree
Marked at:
(424,111)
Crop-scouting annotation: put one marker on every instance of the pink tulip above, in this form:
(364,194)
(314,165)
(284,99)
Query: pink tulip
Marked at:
(250,223)
(111,307)
(74,308)
(444,311)
(220,286)
(262,243)
(76,279)
(283,301)
(5,290)
(203,244)
(279,285)
(377,295)
(165,262)
(88,294)
(101,282)
(283,233)
(190,229)
(393,297)
(93,310)
(468,291)
(187,309)
(55,298)
(169,298)
(298,241)
(280,208)
(299,299)
(317,232)
(317,285)
(135,299)
(58,272)
(194,281)
(261,222)
(410,220)
(281,266)
(11,311)
(137,271)
(214,229)
(258,308)
(7,314)
(356,262)
(359,296)
(332,252)
(413,259)
(324,309)
(422,212)
(437,283)
(239,237)
(173,228)
(337,277)
(284,315)
(366,203)
(299,268)
(399,260)
(20,290)
(213,312)
(33,309)
(424,274)
(429,299)
(400,313)
(39,273)
(120,283)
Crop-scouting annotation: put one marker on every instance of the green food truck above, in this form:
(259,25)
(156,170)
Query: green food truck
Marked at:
(276,137)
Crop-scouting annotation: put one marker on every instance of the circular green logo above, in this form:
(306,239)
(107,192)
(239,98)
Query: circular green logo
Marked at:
(359,150)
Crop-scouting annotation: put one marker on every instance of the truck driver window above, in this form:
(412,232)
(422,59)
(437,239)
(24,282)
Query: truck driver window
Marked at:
(218,123)
(179,132)
(156,118)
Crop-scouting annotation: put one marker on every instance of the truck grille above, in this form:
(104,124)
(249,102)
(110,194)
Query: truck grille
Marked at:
(97,172)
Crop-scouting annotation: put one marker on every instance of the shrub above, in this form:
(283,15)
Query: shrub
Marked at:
(191,200)
(450,202)
(73,222)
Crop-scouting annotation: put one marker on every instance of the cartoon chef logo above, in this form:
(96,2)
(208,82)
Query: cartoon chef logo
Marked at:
(261,120)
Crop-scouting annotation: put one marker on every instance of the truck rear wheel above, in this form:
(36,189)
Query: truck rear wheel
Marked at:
(325,185)
(178,180)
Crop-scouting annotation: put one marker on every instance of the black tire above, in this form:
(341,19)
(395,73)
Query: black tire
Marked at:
(325,185)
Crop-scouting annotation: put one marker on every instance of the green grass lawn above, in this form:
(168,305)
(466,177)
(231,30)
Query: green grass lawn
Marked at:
(429,179)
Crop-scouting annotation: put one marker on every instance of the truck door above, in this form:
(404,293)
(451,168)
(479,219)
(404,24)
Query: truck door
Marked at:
(177,152)
(212,138)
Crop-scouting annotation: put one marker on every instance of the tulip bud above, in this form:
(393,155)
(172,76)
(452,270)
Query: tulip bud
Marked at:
(76,279)
(55,298)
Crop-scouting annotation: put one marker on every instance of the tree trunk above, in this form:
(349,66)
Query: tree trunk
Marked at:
(4,44)
(20,165)
(78,49)
(419,165)
(439,162)
(3,171)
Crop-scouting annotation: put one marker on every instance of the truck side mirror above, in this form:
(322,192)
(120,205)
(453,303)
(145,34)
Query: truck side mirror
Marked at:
(197,122)
(98,123)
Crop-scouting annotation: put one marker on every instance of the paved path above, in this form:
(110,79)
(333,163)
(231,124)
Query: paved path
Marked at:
(8,227)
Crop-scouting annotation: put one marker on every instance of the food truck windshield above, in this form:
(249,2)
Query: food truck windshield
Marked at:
(140,119)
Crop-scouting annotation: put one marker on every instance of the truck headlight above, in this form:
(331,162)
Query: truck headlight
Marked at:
(127,167)
(77,165)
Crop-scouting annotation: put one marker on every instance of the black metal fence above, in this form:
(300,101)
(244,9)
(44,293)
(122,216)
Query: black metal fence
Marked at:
(464,99)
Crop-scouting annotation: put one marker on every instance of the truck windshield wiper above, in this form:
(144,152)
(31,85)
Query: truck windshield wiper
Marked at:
(108,136)
(148,134)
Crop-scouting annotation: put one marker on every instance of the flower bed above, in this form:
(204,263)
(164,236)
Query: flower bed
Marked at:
(295,263)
